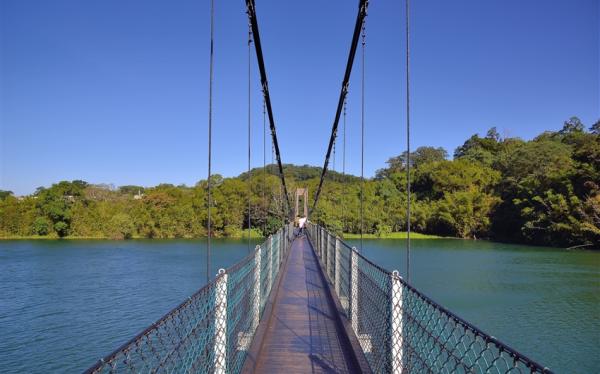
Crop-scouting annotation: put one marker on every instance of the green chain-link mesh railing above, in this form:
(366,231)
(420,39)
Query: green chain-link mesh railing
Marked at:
(212,330)
(399,329)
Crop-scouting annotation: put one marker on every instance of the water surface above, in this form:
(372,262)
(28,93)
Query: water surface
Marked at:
(64,304)
(544,302)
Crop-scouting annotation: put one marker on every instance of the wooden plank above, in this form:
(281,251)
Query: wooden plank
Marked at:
(303,334)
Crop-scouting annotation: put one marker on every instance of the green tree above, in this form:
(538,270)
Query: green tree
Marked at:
(551,218)
(465,213)
(573,125)
(41,226)
(493,135)
(383,230)
(5,194)
(475,145)
(61,228)
(422,155)
(435,179)
(121,226)
(55,203)
(131,189)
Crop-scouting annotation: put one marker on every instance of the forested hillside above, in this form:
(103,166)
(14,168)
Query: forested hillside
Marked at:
(545,191)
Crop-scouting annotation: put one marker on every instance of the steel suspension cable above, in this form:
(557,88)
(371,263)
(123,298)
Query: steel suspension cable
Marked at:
(249,130)
(407,141)
(362,12)
(264,196)
(333,166)
(362,140)
(344,168)
(251,10)
(210,97)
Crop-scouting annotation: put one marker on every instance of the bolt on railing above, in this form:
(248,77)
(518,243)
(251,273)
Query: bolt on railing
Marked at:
(213,329)
(399,329)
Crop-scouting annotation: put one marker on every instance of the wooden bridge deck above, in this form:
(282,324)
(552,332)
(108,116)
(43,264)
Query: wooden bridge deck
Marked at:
(304,334)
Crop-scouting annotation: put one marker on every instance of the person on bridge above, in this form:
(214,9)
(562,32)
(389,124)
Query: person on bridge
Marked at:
(301,223)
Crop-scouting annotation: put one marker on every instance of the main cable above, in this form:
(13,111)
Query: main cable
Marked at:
(251,11)
(333,166)
(264,196)
(362,13)
(344,168)
(249,132)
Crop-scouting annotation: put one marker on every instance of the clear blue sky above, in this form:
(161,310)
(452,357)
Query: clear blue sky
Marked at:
(116,91)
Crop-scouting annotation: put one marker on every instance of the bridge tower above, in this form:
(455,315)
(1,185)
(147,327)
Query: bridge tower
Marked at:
(301,193)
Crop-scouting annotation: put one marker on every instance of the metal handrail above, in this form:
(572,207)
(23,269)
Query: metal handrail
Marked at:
(403,314)
(213,328)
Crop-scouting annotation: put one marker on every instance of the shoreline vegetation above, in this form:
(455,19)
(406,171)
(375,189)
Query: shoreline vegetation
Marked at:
(253,235)
(396,235)
(243,234)
(544,191)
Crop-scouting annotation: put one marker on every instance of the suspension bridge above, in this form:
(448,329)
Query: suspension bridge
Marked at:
(306,301)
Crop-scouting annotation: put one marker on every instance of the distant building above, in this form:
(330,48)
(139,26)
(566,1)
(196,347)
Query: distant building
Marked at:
(139,195)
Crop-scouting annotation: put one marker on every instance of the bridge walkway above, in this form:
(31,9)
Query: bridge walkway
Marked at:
(304,334)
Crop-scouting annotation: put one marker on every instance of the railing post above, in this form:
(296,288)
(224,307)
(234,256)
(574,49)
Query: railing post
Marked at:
(354,290)
(220,344)
(337,266)
(326,250)
(329,259)
(284,238)
(318,235)
(284,249)
(397,343)
(269,270)
(325,240)
(321,243)
(279,254)
(257,295)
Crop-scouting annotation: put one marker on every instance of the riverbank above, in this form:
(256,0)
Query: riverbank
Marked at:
(256,235)
(395,235)
(241,234)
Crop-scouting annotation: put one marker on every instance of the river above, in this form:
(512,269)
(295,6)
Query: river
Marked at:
(66,303)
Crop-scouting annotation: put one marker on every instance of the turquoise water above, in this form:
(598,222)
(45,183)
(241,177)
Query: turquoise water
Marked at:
(544,302)
(64,304)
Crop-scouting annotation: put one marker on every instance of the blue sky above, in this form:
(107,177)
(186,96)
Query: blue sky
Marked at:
(116,91)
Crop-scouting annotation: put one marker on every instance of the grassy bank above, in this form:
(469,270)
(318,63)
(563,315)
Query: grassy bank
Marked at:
(238,234)
(53,237)
(393,235)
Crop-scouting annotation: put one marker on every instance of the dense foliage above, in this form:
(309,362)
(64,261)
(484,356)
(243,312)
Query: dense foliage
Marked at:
(544,191)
